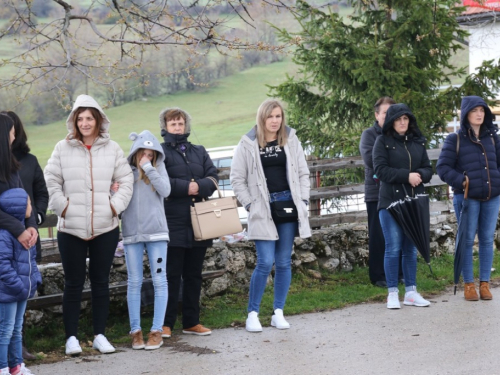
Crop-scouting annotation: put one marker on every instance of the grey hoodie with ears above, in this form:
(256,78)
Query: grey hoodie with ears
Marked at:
(144,219)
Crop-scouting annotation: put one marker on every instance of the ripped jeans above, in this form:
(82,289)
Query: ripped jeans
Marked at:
(157,255)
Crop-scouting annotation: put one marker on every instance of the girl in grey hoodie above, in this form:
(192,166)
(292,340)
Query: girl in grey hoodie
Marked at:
(144,225)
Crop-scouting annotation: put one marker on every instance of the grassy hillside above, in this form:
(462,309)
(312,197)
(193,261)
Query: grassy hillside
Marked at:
(221,114)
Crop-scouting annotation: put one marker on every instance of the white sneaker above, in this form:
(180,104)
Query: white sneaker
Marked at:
(253,323)
(278,320)
(413,298)
(102,344)
(4,371)
(393,301)
(24,370)
(73,346)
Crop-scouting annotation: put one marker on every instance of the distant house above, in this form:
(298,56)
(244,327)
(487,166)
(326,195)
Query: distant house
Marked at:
(482,20)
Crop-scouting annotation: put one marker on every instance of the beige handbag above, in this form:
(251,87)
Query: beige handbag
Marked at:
(214,218)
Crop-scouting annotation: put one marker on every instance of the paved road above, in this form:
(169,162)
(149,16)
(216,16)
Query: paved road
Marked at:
(451,336)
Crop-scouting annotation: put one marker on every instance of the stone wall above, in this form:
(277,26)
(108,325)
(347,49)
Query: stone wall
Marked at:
(334,249)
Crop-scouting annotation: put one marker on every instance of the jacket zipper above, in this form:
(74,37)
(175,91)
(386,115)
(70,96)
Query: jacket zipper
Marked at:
(29,260)
(409,156)
(486,161)
(92,187)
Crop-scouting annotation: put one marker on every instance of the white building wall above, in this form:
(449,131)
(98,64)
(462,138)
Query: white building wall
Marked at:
(484,44)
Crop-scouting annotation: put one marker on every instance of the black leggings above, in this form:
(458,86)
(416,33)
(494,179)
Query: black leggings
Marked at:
(184,265)
(74,252)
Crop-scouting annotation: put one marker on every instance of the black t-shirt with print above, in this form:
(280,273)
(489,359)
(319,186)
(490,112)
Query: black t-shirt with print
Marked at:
(273,160)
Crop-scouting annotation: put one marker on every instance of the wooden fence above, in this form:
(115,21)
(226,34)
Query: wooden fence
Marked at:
(328,192)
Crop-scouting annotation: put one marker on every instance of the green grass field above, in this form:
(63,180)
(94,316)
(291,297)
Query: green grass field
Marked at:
(221,114)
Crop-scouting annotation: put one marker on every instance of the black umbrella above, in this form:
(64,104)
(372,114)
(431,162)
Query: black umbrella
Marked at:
(458,263)
(413,216)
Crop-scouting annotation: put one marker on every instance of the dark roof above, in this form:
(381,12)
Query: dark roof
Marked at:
(476,13)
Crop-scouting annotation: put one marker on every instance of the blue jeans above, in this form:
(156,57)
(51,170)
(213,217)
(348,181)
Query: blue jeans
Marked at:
(11,326)
(482,219)
(157,255)
(395,243)
(271,252)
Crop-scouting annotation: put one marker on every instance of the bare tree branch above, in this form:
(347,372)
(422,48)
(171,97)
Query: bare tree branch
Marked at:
(107,40)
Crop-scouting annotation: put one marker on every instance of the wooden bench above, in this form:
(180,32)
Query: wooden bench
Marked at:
(117,289)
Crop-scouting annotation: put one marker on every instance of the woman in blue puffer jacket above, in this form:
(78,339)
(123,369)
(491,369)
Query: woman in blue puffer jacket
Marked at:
(474,152)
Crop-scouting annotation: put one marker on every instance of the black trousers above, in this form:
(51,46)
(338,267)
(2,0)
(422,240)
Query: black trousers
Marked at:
(184,265)
(376,244)
(74,252)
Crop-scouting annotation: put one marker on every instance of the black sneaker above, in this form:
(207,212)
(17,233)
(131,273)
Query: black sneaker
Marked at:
(381,284)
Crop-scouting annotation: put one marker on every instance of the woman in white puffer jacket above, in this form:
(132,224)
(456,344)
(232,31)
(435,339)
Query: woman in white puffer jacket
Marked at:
(79,175)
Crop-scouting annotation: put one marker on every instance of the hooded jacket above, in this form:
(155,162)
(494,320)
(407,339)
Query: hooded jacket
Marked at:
(185,162)
(34,183)
(15,227)
(19,275)
(365,148)
(396,156)
(79,180)
(477,157)
(249,185)
(144,219)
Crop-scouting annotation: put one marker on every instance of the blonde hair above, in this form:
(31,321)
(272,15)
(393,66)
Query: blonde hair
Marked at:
(137,158)
(263,113)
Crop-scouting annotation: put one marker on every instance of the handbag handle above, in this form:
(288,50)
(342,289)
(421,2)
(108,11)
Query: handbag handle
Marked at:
(216,185)
(466,190)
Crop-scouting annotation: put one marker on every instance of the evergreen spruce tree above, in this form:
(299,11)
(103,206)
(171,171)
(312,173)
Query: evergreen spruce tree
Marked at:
(397,48)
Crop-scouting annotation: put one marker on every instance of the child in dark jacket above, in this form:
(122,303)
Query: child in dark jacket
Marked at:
(19,280)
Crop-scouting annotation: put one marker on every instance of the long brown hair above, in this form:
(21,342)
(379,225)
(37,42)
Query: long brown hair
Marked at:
(8,163)
(137,158)
(263,113)
(98,121)
(21,141)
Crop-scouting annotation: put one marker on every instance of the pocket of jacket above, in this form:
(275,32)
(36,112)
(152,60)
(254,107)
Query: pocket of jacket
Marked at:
(113,211)
(63,213)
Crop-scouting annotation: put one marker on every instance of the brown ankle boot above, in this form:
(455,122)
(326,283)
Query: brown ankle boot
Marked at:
(137,340)
(484,290)
(470,293)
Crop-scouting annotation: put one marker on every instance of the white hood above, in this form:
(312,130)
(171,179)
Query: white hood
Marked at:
(86,101)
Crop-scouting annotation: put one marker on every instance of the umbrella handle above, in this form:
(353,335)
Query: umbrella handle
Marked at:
(466,191)
(404,189)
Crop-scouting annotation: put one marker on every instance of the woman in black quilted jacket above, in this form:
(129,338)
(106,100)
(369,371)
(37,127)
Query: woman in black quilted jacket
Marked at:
(474,152)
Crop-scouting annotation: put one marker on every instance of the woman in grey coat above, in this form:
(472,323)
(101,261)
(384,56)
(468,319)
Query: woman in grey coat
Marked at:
(269,166)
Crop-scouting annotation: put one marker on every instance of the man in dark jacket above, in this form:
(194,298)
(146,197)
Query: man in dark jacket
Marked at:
(376,243)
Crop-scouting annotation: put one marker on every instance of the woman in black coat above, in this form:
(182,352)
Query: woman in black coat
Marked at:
(31,175)
(402,166)
(188,168)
